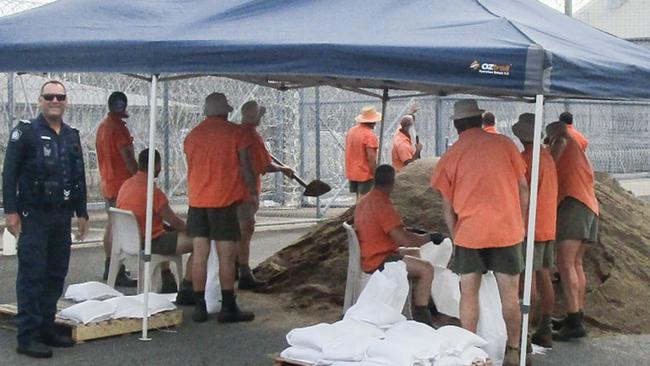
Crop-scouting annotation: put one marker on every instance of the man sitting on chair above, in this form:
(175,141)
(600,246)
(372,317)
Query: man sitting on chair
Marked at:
(381,233)
(133,197)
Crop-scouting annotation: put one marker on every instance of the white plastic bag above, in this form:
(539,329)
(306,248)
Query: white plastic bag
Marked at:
(473,354)
(445,291)
(88,311)
(301,354)
(376,313)
(437,255)
(396,273)
(212,284)
(491,325)
(347,347)
(126,307)
(401,352)
(157,303)
(92,290)
(456,340)
(314,337)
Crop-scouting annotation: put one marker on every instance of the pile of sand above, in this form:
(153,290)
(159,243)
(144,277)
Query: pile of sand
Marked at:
(312,272)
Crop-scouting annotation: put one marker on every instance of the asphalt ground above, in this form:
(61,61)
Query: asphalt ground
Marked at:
(253,343)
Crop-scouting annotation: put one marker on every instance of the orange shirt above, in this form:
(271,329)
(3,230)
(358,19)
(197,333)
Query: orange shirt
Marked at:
(112,136)
(260,157)
(403,149)
(358,139)
(374,218)
(491,129)
(133,197)
(214,178)
(545,222)
(576,176)
(479,176)
(580,138)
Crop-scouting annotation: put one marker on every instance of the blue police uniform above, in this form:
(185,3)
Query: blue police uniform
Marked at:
(44,182)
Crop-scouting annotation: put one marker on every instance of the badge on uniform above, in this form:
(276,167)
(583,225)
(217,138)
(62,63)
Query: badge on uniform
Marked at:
(15,135)
(66,194)
(47,151)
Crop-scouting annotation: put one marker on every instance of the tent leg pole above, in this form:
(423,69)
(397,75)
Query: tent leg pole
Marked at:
(384,102)
(532,215)
(149,219)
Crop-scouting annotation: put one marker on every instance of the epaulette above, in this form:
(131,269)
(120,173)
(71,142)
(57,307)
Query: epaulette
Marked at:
(25,121)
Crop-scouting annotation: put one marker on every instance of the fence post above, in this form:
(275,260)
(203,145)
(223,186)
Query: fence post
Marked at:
(279,178)
(440,138)
(166,127)
(303,136)
(11,104)
(317,138)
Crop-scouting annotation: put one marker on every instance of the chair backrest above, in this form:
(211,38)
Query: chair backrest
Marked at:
(125,231)
(354,253)
(353,284)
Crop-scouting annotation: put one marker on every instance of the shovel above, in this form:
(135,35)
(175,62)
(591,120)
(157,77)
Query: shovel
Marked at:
(315,188)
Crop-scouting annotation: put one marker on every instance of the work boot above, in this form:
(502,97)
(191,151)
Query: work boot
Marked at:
(511,358)
(557,323)
(169,285)
(572,328)
(421,314)
(123,278)
(200,314)
(35,349)
(247,280)
(543,336)
(53,339)
(230,312)
(185,296)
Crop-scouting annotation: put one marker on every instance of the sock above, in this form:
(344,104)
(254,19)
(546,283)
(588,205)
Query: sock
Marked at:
(227,299)
(186,285)
(199,296)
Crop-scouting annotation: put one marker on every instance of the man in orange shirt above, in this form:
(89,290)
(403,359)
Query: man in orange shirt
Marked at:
(545,223)
(252,114)
(582,141)
(404,152)
(116,161)
(133,197)
(381,233)
(361,146)
(482,181)
(220,176)
(489,123)
(577,225)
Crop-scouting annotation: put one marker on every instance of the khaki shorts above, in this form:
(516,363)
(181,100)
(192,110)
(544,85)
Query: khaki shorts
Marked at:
(165,244)
(246,212)
(508,260)
(220,224)
(362,187)
(544,256)
(575,221)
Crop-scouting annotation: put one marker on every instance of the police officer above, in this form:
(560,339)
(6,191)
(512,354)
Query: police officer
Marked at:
(43,185)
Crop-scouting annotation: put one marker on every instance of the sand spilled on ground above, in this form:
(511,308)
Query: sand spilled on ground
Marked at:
(312,272)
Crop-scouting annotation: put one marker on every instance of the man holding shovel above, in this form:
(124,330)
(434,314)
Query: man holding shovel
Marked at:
(262,163)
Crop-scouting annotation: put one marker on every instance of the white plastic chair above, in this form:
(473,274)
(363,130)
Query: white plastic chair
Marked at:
(126,242)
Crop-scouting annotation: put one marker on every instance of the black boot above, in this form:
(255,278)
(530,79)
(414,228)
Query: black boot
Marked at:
(53,339)
(185,296)
(543,336)
(123,278)
(230,312)
(34,349)
(247,280)
(422,315)
(169,285)
(573,328)
(557,323)
(200,314)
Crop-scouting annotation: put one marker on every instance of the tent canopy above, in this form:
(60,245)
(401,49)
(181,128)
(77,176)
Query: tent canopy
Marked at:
(489,47)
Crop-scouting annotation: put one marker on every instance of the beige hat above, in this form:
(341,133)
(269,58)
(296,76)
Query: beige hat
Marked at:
(524,129)
(368,115)
(556,129)
(216,104)
(466,108)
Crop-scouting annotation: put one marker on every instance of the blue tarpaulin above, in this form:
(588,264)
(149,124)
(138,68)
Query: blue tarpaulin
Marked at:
(489,47)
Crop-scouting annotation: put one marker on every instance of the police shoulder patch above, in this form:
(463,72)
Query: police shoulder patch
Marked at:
(15,135)
(25,121)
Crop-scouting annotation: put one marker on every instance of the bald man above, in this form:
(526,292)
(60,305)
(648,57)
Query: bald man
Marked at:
(404,152)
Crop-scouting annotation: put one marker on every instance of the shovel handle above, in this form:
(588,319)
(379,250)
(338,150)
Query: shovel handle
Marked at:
(295,177)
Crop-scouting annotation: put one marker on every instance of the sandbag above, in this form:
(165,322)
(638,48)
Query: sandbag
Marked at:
(491,325)
(212,284)
(437,255)
(473,354)
(92,290)
(376,313)
(347,347)
(125,307)
(301,354)
(456,340)
(157,303)
(401,352)
(87,312)
(314,337)
(445,291)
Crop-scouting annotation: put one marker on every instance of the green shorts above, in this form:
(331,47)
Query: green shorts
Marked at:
(220,224)
(508,260)
(362,187)
(575,221)
(544,256)
(165,244)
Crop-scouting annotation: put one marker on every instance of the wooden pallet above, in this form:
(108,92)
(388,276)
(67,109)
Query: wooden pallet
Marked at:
(108,328)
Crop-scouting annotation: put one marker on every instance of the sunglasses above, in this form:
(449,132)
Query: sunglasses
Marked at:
(50,97)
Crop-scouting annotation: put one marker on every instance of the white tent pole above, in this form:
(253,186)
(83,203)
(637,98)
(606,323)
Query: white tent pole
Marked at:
(148,225)
(532,214)
(384,101)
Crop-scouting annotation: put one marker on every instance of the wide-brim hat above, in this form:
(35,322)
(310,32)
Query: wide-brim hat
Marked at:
(524,129)
(556,129)
(368,115)
(466,108)
(216,104)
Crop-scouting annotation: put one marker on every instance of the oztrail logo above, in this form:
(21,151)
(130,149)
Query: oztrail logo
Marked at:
(492,69)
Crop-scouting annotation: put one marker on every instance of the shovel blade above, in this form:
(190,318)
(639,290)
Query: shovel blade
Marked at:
(316,188)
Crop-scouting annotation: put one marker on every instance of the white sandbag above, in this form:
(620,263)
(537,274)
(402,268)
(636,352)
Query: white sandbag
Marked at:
(456,340)
(348,347)
(473,354)
(88,311)
(125,307)
(8,243)
(92,290)
(412,329)
(358,328)
(376,313)
(361,363)
(313,337)
(445,291)
(401,352)
(301,354)
(397,274)
(437,255)
(449,361)
(378,289)
(491,325)
(212,284)
(157,302)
